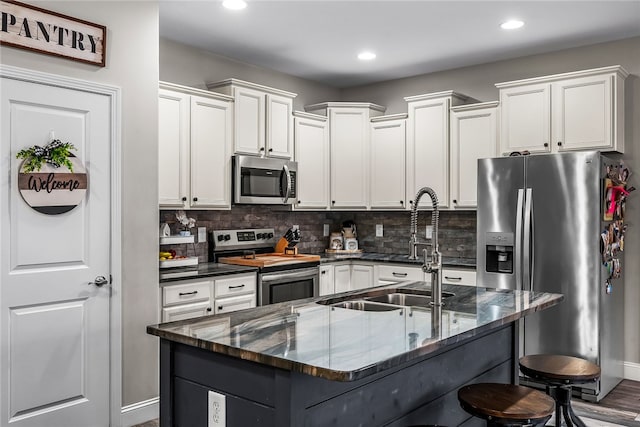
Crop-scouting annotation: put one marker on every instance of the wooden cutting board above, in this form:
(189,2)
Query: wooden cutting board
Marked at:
(264,260)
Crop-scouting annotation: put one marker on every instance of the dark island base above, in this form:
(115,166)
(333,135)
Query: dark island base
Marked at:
(422,391)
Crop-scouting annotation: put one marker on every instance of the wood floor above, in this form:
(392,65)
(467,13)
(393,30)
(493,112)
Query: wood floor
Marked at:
(621,407)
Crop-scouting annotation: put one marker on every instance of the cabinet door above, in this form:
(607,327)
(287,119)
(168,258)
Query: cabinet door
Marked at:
(428,149)
(227,305)
(173,149)
(361,277)
(473,136)
(249,121)
(582,113)
(388,274)
(312,155)
(327,285)
(342,278)
(211,133)
(525,122)
(458,277)
(279,132)
(349,136)
(388,141)
(186,311)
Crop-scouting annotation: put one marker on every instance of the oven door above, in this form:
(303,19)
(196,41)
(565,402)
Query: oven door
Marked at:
(288,285)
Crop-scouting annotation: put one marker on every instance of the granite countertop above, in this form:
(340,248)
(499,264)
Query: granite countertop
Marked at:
(208,269)
(396,258)
(345,345)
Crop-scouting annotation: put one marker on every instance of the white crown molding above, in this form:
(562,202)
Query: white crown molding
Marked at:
(324,105)
(195,91)
(476,106)
(312,116)
(249,85)
(554,77)
(398,116)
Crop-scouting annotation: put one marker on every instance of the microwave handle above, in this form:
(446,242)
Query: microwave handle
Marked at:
(285,169)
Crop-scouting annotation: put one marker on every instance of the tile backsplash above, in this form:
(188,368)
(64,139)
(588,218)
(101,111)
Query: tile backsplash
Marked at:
(457,235)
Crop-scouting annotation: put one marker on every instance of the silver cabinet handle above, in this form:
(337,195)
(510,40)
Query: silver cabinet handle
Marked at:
(399,274)
(187,293)
(99,281)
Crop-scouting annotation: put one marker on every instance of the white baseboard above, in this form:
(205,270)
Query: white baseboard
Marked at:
(140,412)
(632,371)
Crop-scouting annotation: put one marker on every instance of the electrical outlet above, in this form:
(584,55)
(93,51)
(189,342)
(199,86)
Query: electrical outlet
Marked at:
(379,230)
(202,234)
(217,414)
(325,230)
(429,232)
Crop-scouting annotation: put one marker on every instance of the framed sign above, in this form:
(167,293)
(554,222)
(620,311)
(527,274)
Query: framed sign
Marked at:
(32,28)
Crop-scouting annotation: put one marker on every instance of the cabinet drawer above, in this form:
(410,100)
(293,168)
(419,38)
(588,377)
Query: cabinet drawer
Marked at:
(397,273)
(227,305)
(187,292)
(459,277)
(235,285)
(186,311)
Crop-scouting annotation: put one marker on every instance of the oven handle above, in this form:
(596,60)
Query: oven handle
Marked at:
(285,169)
(291,274)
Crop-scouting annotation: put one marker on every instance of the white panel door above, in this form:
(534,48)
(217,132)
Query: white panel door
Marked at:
(525,121)
(249,121)
(388,142)
(54,324)
(173,149)
(279,132)
(211,139)
(312,155)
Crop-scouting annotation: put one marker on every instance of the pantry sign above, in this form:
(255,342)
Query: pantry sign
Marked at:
(32,28)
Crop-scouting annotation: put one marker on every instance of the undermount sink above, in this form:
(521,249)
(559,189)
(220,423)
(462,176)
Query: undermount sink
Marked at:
(406,299)
(363,305)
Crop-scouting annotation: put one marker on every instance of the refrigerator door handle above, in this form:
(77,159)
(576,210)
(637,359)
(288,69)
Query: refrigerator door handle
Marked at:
(532,254)
(526,244)
(518,242)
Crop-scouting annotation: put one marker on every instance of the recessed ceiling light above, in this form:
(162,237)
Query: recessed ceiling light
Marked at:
(366,56)
(511,25)
(234,4)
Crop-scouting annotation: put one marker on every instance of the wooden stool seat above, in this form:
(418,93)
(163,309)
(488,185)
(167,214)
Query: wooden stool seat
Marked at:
(506,404)
(560,373)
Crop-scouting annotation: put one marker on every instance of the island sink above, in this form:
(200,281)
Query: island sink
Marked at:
(363,305)
(384,300)
(407,300)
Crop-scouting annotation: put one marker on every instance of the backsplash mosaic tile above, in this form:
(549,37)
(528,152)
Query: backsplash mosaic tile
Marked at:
(457,235)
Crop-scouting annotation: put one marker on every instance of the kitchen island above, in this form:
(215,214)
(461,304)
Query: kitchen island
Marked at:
(314,362)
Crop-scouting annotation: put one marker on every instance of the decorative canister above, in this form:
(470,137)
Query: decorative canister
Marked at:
(351,244)
(335,241)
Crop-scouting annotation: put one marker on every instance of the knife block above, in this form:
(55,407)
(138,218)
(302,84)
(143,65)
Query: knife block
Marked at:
(281,245)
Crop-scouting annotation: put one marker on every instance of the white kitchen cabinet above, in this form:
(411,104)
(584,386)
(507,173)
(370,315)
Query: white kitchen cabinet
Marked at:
(186,311)
(388,274)
(474,135)
(194,148)
(349,151)
(458,276)
(311,134)
(572,111)
(227,305)
(235,292)
(342,277)
(361,277)
(387,170)
(186,299)
(327,284)
(427,155)
(263,122)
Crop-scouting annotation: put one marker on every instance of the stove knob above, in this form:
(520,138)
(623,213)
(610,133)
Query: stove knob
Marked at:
(220,237)
(270,235)
(227,237)
(259,235)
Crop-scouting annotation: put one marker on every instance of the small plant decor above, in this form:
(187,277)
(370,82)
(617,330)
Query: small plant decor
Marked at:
(56,153)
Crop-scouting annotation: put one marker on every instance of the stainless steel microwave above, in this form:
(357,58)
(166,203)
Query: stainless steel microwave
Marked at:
(262,180)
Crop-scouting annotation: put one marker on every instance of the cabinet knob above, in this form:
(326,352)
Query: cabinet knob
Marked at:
(209,308)
(546,145)
(270,149)
(261,148)
(333,202)
(410,202)
(455,201)
(559,143)
(299,202)
(323,272)
(184,199)
(402,202)
(219,307)
(195,199)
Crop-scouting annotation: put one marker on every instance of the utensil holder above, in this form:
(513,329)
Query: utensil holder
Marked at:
(281,245)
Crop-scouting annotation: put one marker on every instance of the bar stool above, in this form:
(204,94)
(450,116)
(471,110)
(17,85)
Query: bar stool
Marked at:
(559,373)
(506,404)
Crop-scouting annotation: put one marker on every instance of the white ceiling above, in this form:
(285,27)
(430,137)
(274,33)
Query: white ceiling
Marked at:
(319,40)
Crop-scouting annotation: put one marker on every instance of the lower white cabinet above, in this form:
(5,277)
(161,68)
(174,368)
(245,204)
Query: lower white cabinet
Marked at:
(327,284)
(186,299)
(361,277)
(342,278)
(455,276)
(388,274)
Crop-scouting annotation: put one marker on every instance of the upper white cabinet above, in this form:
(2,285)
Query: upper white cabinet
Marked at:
(427,155)
(311,132)
(263,118)
(474,135)
(563,112)
(349,146)
(194,148)
(387,171)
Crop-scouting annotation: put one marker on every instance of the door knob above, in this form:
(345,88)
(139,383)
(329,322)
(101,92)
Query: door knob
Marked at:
(99,281)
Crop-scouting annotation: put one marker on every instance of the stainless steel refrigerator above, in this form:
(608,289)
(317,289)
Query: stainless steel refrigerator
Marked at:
(539,228)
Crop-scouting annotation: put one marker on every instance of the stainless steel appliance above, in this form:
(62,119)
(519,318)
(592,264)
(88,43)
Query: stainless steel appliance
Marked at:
(280,277)
(539,222)
(261,180)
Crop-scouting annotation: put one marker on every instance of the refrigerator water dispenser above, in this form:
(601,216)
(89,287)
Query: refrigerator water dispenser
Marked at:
(499,256)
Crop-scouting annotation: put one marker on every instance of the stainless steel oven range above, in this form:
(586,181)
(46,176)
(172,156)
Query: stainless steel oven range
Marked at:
(280,278)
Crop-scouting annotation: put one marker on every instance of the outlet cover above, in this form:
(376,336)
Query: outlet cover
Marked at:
(325,230)
(379,230)
(202,234)
(429,232)
(217,413)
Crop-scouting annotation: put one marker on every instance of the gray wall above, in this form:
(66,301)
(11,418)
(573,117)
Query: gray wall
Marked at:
(478,82)
(132,65)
